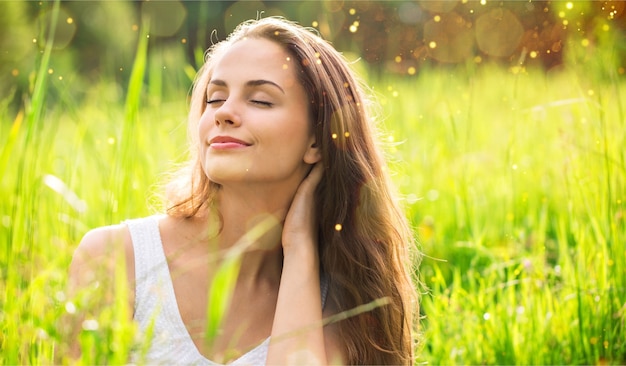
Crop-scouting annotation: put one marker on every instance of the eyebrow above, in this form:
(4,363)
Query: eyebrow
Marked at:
(250,83)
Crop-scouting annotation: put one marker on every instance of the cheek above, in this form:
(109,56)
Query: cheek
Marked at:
(204,125)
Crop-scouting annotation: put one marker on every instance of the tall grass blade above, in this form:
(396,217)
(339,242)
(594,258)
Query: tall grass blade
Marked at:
(225,278)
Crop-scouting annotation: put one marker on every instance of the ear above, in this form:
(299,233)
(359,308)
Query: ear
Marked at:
(313,154)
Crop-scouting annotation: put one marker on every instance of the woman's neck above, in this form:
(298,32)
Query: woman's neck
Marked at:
(251,225)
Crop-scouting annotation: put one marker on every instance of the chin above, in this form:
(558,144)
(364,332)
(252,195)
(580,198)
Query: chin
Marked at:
(224,177)
(222,171)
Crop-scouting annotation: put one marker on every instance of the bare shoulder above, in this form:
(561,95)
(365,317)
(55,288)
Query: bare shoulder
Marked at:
(98,252)
(102,241)
(93,280)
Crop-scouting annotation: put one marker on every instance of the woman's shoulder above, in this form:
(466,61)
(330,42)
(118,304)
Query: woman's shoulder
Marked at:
(99,251)
(103,239)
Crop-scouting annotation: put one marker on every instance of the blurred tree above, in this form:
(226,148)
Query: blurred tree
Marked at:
(97,39)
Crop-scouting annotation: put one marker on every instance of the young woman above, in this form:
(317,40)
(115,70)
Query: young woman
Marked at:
(280,134)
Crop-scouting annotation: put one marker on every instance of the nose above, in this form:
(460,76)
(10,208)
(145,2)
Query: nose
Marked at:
(226,113)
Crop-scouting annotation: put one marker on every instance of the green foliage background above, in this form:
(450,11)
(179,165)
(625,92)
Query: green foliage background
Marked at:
(513,175)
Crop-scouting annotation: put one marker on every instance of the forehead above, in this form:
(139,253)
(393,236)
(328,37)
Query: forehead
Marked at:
(254,57)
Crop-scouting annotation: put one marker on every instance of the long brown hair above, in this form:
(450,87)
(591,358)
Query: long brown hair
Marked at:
(365,240)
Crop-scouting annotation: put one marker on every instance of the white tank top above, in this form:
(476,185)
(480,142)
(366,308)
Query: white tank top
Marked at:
(156,310)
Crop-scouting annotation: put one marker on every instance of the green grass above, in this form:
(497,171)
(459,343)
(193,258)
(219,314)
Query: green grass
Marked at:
(514,179)
(522,186)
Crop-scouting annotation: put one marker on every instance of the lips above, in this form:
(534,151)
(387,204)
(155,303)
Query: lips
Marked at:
(226,142)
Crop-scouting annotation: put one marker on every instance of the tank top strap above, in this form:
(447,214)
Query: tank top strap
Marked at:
(154,292)
(149,256)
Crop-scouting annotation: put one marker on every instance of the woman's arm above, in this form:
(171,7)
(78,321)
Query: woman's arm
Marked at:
(102,259)
(298,336)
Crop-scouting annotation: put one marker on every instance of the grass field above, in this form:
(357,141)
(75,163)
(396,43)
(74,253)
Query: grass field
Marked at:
(514,179)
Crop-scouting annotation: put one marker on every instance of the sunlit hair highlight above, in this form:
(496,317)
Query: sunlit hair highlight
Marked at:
(370,257)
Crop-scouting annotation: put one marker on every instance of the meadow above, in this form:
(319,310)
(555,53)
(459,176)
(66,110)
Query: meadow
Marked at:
(514,179)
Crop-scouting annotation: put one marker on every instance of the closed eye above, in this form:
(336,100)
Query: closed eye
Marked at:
(262,102)
(214,101)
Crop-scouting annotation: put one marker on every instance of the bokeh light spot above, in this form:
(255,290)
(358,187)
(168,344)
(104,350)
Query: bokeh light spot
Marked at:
(498,32)
(410,13)
(64,31)
(449,39)
(439,7)
(165,17)
(90,325)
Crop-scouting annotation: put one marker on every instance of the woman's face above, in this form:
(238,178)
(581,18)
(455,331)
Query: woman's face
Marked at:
(255,127)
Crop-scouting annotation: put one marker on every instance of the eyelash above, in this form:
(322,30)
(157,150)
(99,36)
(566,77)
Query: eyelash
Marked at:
(260,102)
(263,103)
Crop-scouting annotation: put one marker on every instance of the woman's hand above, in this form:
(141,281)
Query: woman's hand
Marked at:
(297,332)
(300,228)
